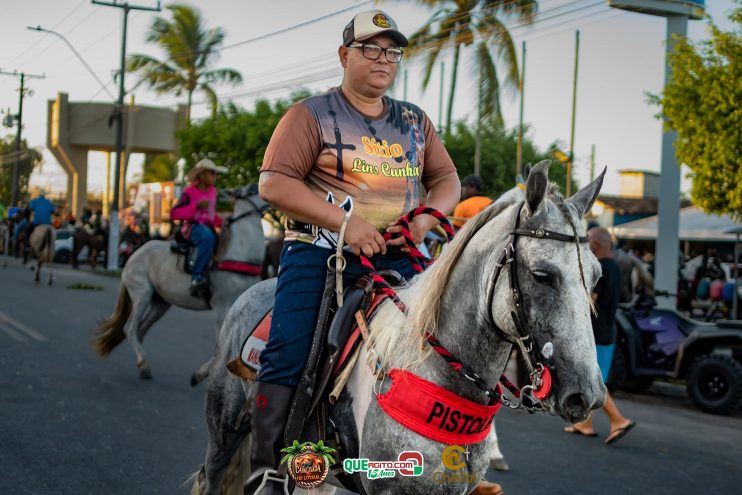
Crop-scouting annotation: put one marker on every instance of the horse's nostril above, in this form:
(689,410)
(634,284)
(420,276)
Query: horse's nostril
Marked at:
(575,402)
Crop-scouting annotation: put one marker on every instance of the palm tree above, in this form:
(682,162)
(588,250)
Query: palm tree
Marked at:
(191,50)
(462,23)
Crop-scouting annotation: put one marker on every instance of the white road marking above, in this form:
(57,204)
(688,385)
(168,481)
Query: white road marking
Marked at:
(13,324)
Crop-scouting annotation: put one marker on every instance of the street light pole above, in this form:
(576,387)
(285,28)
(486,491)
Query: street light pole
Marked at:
(113,230)
(19,118)
(77,54)
(574,110)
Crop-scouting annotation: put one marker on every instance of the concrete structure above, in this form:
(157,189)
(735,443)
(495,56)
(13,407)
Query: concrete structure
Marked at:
(74,129)
(638,184)
(677,13)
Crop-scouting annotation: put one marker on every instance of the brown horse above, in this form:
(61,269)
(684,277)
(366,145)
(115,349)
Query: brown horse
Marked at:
(96,244)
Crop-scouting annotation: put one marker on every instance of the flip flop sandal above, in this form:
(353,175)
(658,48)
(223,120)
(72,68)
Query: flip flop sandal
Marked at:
(619,433)
(572,429)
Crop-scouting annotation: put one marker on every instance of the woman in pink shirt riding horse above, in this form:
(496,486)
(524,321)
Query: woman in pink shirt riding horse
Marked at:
(197,209)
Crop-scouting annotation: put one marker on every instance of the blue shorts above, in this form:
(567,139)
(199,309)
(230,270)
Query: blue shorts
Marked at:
(605,358)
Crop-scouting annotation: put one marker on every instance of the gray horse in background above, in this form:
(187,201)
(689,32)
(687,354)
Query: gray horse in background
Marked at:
(450,300)
(153,280)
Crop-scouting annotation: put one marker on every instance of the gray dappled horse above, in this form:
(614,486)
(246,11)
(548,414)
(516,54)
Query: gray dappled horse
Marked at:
(153,280)
(457,299)
(42,247)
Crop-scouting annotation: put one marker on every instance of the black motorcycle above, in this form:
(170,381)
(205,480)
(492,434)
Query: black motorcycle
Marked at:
(662,343)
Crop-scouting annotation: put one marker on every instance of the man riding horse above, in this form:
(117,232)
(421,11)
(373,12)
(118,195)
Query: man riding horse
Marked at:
(197,209)
(352,161)
(42,210)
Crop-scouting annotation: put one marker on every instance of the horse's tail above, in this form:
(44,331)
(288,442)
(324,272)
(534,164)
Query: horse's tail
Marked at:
(110,332)
(47,250)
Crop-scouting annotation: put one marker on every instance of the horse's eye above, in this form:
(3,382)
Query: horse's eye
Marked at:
(542,277)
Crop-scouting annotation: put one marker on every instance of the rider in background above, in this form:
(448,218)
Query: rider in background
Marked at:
(472,200)
(350,156)
(42,210)
(197,209)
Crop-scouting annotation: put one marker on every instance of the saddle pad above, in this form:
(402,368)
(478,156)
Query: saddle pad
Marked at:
(247,364)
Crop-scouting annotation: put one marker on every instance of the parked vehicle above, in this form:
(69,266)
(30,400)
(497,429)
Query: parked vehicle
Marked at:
(662,343)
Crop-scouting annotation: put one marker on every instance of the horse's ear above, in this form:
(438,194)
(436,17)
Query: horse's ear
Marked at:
(527,171)
(536,185)
(584,198)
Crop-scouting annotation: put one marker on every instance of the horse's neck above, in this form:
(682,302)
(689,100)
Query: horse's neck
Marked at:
(245,242)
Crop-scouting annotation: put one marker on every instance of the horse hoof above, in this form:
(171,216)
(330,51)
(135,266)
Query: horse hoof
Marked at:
(194,380)
(145,374)
(499,464)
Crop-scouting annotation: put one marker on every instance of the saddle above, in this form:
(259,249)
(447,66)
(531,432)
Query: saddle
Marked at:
(321,382)
(182,246)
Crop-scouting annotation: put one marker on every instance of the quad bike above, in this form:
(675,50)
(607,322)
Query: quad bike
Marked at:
(662,343)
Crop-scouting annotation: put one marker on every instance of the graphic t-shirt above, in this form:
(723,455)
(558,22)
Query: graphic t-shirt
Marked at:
(372,166)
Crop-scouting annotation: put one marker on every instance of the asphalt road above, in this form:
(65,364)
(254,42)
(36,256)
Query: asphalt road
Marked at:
(71,422)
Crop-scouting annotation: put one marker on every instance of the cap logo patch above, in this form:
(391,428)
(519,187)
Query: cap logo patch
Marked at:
(381,21)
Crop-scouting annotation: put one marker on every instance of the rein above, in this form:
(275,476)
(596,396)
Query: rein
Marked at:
(530,396)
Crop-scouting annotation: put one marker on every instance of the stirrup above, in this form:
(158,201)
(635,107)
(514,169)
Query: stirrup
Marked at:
(272,475)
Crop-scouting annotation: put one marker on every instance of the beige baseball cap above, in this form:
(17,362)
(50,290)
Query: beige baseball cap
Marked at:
(203,166)
(368,24)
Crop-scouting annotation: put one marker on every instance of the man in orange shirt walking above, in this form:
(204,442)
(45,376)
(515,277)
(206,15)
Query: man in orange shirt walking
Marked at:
(472,200)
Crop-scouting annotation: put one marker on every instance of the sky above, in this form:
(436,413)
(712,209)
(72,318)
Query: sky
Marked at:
(278,51)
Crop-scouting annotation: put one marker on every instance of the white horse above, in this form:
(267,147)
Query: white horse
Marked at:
(153,280)
(466,301)
(42,246)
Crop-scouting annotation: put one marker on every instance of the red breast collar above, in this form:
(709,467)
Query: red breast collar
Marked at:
(434,412)
(241,267)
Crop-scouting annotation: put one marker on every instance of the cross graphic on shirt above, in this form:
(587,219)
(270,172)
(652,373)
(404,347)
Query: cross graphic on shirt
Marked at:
(339,147)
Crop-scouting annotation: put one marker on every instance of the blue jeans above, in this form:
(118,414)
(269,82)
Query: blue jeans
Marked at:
(301,281)
(203,238)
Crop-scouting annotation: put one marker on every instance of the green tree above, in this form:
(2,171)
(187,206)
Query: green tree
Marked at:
(460,24)
(159,168)
(235,138)
(497,156)
(191,52)
(30,158)
(702,102)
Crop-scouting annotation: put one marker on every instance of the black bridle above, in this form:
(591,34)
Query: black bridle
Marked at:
(536,391)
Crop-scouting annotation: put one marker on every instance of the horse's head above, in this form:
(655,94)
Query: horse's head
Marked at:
(246,198)
(554,277)
(242,235)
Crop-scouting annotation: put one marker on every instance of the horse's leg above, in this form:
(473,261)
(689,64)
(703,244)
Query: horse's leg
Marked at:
(140,306)
(157,309)
(51,273)
(38,271)
(497,459)
(227,462)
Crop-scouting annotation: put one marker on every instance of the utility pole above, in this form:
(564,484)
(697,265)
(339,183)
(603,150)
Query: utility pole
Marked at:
(113,235)
(592,163)
(519,152)
(19,119)
(574,109)
(404,87)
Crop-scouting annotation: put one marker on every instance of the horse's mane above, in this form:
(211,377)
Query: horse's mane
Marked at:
(224,237)
(399,341)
